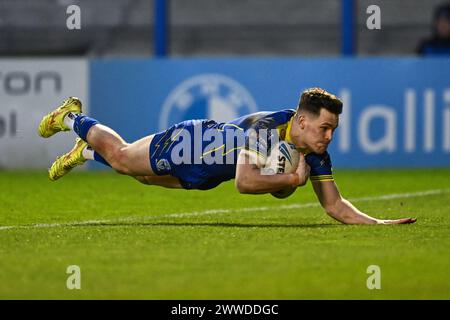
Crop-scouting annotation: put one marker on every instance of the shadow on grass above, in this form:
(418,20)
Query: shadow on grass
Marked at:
(208,224)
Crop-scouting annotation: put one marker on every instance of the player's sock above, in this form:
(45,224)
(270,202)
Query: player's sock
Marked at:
(82,124)
(69,120)
(99,158)
(88,153)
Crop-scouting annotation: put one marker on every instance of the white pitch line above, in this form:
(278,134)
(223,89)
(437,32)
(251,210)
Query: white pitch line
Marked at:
(222,211)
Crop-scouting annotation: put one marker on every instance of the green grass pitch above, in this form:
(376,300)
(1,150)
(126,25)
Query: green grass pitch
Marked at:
(142,242)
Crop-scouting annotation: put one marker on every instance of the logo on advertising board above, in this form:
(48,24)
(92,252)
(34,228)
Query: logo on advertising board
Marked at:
(206,96)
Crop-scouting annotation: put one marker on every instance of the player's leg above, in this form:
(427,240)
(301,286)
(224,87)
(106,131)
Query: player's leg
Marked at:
(100,143)
(130,159)
(82,152)
(120,160)
(126,158)
(108,147)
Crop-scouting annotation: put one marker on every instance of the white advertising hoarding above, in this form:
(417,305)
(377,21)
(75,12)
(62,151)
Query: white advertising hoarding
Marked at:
(30,88)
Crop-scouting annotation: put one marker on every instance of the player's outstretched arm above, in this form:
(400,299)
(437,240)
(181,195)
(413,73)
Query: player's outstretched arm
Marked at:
(249,178)
(344,211)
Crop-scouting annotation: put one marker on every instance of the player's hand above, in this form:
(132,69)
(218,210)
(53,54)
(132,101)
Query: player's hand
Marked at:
(303,170)
(398,221)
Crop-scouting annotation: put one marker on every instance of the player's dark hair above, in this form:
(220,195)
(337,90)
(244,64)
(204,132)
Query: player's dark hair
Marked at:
(314,99)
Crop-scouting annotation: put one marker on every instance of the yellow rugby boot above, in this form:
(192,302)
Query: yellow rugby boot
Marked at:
(54,121)
(68,161)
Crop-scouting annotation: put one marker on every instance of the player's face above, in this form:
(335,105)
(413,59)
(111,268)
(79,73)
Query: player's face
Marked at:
(318,130)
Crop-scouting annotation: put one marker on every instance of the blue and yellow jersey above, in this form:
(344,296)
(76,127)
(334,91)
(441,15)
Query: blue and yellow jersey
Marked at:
(203,153)
(280,122)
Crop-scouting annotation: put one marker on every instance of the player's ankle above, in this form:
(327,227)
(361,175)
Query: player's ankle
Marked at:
(69,120)
(88,153)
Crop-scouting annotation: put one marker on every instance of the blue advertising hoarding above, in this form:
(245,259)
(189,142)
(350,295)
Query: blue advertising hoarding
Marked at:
(396,111)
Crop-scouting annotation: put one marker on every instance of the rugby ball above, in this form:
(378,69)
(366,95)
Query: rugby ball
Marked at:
(283,158)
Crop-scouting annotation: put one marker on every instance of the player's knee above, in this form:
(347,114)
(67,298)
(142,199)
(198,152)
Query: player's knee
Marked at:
(139,179)
(144,180)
